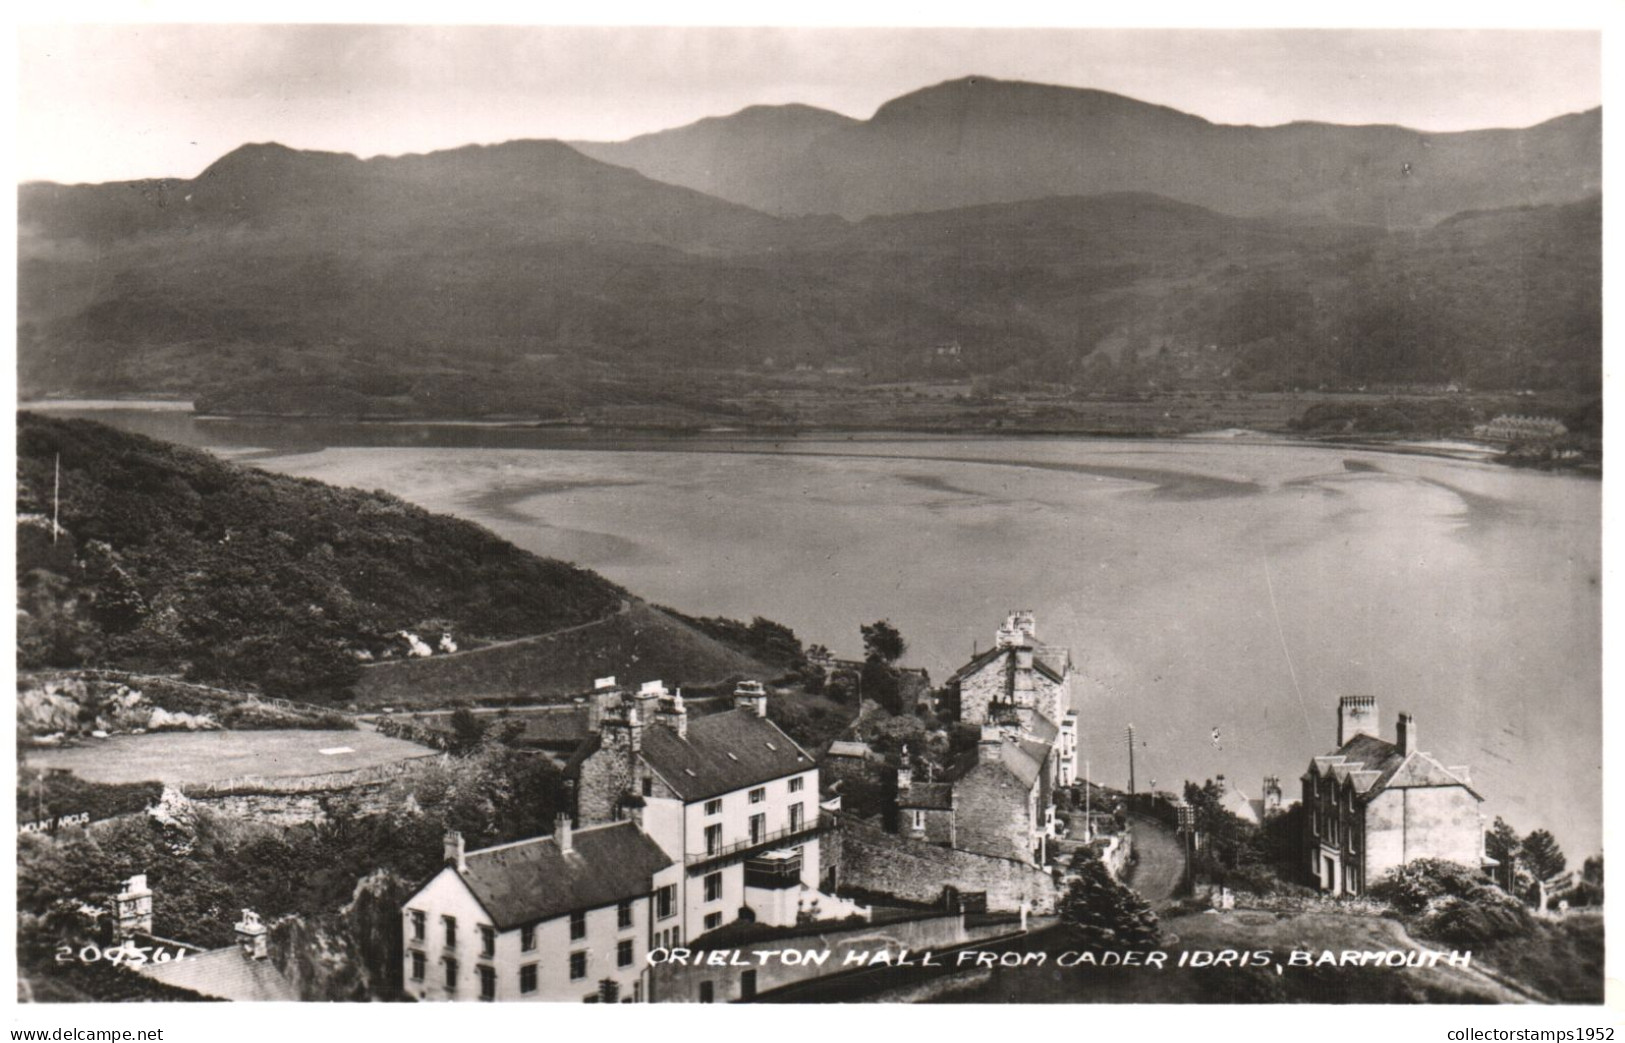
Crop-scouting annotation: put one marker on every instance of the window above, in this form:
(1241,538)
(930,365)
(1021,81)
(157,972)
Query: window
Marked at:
(713,887)
(527,978)
(713,807)
(713,839)
(648,787)
(666,902)
(919,819)
(488,941)
(451,974)
(713,921)
(623,915)
(758,795)
(796,783)
(578,966)
(527,938)
(420,925)
(419,966)
(488,983)
(708,992)
(747,985)
(623,953)
(795,816)
(758,828)
(450,923)
(578,926)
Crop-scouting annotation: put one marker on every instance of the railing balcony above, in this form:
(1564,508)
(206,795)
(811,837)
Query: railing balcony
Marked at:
(810,826)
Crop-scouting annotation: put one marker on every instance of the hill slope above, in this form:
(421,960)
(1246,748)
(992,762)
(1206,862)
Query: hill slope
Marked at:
(979,140)
(171,560)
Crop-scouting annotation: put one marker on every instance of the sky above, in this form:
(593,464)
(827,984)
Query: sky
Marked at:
(115,102)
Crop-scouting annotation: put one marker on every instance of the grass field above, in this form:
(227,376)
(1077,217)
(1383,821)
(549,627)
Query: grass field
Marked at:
(197,757)
(637,645)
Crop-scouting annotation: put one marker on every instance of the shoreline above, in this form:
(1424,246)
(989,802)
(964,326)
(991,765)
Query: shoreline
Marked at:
(591,436)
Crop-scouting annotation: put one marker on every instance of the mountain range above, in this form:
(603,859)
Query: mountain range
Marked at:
(971,229)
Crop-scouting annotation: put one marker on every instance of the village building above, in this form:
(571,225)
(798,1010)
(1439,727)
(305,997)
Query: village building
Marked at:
(566,917)
(1519,428)
(1255,810)
(729,797)
(1001,803)
(1023,682)
(242,972)
(1372,805)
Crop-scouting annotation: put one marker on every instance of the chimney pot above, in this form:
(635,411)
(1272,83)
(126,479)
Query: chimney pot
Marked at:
(251,936)
(562,833)
(456,855)
(1405,734)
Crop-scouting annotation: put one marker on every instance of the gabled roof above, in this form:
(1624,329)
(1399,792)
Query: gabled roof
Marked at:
(929,796)
(225,974)
(722,752)
(533,880)
(1372,765)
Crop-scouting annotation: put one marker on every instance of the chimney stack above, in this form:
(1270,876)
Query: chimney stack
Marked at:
(673,714)
(603,691)
(752,696)
(1357,715)
(992,738)
(1405,735)
(455,854)
(132,909)
(561,833)
(251,936)
(905,773)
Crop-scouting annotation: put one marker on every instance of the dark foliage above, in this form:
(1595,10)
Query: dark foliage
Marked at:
(229,574)
(1104,915)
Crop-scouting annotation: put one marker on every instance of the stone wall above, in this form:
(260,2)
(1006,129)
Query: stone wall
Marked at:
(875,861)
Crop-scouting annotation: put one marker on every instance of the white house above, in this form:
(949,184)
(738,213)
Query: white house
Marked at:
(567,917)
(728,796)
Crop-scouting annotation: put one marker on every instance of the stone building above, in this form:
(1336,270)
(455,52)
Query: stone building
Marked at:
(729,796)
(1372,805)
(1000,804)
(566,917)
(1024,682)
(241,973)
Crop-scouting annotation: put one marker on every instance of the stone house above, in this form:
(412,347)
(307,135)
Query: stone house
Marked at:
(241,973)
(729,797)
(1000,804)
(1024,682)
(1372,805)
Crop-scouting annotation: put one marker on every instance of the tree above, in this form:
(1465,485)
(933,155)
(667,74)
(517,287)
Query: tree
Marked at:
(1502,844)
(468,731)
(1541,855)
(1106,915)
(882,641)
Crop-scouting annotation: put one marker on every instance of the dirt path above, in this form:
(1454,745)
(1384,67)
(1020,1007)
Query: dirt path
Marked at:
(1159,868)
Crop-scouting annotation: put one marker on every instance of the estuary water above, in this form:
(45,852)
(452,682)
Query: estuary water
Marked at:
(1218,594)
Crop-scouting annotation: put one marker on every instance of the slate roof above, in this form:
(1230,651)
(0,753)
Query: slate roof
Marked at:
(843,748)
(1041,656)
(931,796)
(723,752)
(533,880)
(225,974)
(1374,765)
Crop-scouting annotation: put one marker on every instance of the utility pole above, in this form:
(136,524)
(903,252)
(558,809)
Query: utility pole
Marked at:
(1131,762)
(56,500)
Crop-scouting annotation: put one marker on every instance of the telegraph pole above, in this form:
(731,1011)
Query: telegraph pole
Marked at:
(1131,762)
(56,500)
